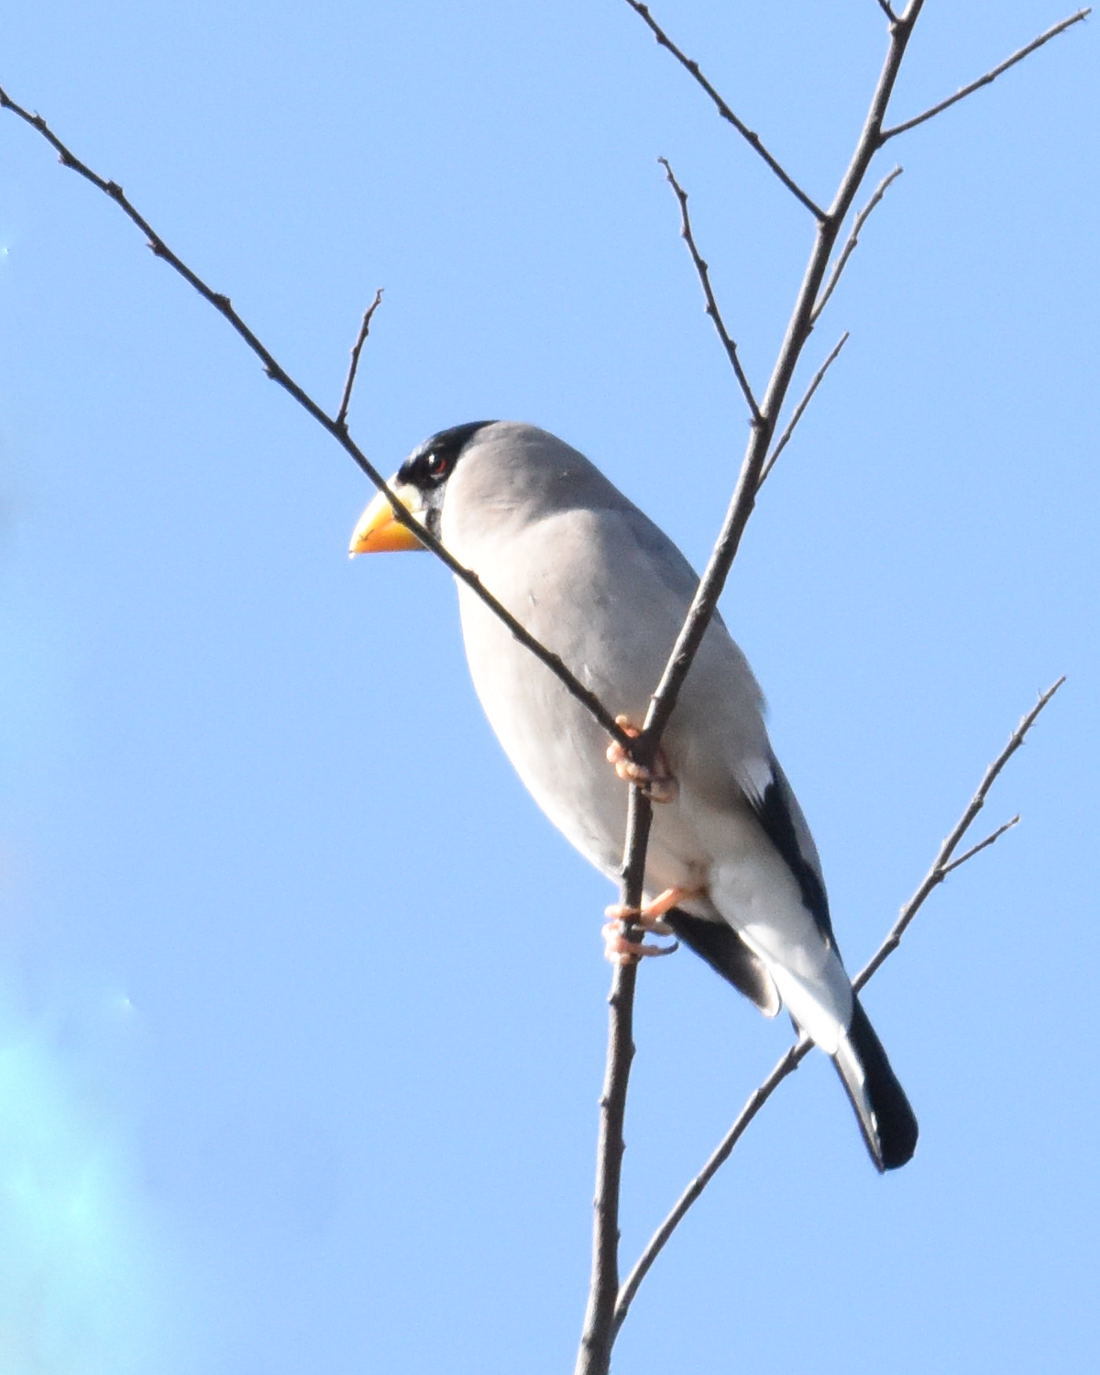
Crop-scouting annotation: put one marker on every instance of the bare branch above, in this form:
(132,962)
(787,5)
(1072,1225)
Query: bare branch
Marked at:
(703,273)
(785,1066)
(277,373)
(799,326)
(1018,56)
(853,239)
(797,413)
(723,109)
(600,1325)
(990,839)
(942,865)
(353,365)
(598,1335)
(595,1348)
(887,11)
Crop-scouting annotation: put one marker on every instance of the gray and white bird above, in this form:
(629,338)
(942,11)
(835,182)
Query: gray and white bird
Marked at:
(593,579)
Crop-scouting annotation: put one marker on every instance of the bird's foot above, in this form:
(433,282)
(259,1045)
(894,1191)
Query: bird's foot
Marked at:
(655,781)
(618,949)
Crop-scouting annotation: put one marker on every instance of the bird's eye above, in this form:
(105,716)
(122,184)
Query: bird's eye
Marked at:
(439,465)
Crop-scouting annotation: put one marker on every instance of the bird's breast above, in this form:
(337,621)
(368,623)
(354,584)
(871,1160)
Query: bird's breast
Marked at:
(595,599)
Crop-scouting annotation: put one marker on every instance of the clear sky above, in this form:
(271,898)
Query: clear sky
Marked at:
(301,1000)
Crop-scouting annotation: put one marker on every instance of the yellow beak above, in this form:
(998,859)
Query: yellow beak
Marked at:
(379,531)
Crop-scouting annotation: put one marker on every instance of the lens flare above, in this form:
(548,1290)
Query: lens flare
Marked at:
(84,1282)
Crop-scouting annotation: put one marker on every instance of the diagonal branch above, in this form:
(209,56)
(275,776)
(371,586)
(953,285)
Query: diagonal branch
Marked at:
(799,410)
(786,1065)
(703,272)
(990,76)
(942,865)
(853,239)
(333,424)
(753,140)
(887,11)
(353,365)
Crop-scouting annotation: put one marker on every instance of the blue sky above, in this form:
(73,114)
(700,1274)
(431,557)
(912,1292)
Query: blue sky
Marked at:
(301,1001)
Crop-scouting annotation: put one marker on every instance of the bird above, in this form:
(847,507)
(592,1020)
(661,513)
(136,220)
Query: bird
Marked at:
(731,869)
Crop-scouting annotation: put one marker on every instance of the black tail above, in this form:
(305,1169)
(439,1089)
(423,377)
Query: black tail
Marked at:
(885,1118)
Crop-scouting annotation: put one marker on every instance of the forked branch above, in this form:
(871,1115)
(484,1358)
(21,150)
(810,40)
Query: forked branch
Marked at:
(798,332)
(992,75)
(800,410)
(594,1355)
(941,866)
(850,245)
(945,862)
(601,1321)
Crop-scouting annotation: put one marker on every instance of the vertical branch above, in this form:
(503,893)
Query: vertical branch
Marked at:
(598,1334)
(600,1322)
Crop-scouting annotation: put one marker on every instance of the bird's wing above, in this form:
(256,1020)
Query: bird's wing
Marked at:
(728,955)
(775,806)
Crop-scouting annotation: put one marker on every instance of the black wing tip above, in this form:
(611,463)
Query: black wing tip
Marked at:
(728,955)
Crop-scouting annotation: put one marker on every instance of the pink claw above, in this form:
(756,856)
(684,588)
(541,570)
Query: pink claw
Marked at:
(656,782)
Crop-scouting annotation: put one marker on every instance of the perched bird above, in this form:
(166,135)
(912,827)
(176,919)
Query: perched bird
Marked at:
(731,866)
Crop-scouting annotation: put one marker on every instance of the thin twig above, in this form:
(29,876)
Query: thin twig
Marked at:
(1017,56)
(941,866)
(353,365)
(853,239)
(723,109)
(887,11)
(703,273)
(797,413)
(990,839)
(278,374)
(939,869)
